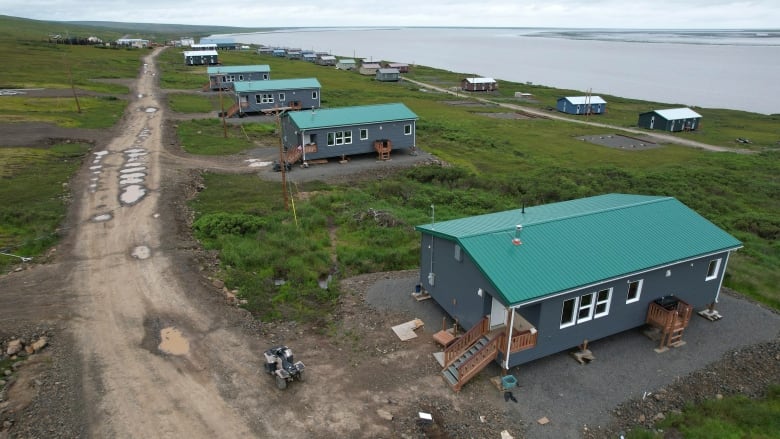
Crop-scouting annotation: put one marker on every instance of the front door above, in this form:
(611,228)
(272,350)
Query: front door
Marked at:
(497,314)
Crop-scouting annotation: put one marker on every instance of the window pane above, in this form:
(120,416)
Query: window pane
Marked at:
(567,317)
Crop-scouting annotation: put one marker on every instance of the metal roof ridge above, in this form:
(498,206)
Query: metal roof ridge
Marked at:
(562,218)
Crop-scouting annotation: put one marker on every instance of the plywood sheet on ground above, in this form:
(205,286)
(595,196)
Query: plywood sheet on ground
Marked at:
(405,331)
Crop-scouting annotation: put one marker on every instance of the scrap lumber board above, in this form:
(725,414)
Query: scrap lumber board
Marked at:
(405,331)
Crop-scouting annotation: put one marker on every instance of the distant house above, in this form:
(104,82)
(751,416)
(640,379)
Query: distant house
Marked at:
(222,43)
(224,76)
(369,69)
(201,57)
(674,119)
(186,41)
(138,43)
(275,95)
(203,46)
(309,57)
(403,68)
(388,75)
(326,60)
(265,50)
(582,105)
(531,282)
(338,132)
(281,53)
(479,84)
(294,54)
(346,64)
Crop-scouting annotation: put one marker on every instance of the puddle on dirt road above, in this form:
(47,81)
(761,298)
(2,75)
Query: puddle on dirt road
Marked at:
(141,252)
(257,163)
(133,169)
(173,342)
(102,217)
(151,110)
(132,194)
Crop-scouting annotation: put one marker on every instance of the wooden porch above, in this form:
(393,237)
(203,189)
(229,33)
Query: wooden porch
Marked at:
(473,351)
(669,316)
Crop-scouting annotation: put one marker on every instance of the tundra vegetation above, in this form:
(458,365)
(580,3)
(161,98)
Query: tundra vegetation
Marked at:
(278,259)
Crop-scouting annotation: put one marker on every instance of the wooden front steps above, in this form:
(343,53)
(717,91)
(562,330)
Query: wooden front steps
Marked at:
(471,362)
(383,148)
(669,316)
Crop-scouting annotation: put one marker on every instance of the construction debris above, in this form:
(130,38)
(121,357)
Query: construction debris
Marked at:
(584,355)
(543,421)
(405,331)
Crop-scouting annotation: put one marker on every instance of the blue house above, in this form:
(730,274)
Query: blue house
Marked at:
(224,76)
(339,132)
(281,53)
(388,75)
(274,95)
(582,105)
(673,119)
(535,281)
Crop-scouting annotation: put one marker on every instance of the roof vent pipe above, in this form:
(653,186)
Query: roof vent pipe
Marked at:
(516,239)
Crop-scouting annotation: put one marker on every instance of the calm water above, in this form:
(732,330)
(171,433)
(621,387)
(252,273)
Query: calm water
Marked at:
(713,69)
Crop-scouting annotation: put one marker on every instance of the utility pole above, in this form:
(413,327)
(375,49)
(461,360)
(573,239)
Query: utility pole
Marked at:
(282,161)
(72,86)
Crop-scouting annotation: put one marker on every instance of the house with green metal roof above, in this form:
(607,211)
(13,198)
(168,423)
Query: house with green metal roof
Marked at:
(223,77)
(548,278)
(346,131)
(275,95)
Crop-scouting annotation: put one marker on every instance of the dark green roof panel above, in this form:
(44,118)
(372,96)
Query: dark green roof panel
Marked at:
(345,116)
(580,242)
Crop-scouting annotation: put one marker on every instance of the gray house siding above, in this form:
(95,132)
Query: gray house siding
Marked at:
(654,121)
(253,101)
(196,60)
(393,131)
(566,106)
(227,79)
(456,283)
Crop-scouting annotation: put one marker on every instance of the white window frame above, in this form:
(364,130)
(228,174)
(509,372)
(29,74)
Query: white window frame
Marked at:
(587,308)
(314,95)
(336,138)
(408,130)
(240,77)
(606,302)
(282,97)
(363,133)
(265,98)
(638,291)
(715,272)
(572,318)
(458,253)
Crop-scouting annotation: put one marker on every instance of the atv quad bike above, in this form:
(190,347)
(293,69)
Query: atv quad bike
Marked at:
(279,362)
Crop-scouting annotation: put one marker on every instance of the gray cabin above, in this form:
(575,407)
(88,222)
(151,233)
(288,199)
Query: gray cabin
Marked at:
(222,43)
(326,60)
(201,57)
(274,95)
(531,282)
(673,119)
(339,132)
(223,77)
(369,68)
(583,105)
(346,64)
(388,75)
(479,84)
(402,67)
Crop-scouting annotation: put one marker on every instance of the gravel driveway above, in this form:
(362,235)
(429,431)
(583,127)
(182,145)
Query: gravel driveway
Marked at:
(573,396)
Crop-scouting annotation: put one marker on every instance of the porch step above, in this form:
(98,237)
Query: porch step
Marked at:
(449,377)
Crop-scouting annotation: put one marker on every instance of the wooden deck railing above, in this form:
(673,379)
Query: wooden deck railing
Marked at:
(666,319)
(523,341)
(459,346)
(477,362)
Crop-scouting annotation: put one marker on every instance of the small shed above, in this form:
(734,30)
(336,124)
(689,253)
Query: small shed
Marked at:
(294,54)
(346,64)
(265,50)
(201,57)
(388,75)
(224,76)
(402,67)
(369,68)
(673,119)
(222,43)
(281,53)
(326,60)
(309,57)
(275,95)
(338,132)
(479,84)
(582,105)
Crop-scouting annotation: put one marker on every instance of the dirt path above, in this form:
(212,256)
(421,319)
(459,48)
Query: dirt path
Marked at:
(660,137)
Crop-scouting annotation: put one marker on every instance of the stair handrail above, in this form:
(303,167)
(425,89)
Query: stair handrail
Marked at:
(464,342)
(469,368)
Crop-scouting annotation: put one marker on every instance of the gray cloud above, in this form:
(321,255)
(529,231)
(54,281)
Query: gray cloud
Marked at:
(498,13)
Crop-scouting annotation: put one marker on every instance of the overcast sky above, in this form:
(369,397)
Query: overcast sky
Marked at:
(634,14)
